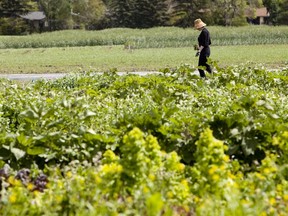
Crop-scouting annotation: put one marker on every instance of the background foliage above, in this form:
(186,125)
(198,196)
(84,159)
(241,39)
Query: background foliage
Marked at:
(99,14)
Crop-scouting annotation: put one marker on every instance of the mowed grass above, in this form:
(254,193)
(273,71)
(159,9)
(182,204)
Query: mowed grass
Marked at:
(104,58)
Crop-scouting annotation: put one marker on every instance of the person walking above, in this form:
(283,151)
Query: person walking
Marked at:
(203,47)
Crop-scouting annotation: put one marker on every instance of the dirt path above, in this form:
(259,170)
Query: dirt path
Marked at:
(58,75)
(31,76)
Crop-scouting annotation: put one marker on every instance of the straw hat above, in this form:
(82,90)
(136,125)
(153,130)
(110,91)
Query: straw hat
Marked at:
(198,23)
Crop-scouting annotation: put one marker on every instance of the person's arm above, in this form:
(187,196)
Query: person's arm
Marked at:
(200,48)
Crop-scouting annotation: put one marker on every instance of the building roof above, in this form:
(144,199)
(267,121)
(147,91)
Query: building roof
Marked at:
(262,12)
(36,15)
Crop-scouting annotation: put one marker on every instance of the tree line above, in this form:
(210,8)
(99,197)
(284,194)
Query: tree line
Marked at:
(100,14)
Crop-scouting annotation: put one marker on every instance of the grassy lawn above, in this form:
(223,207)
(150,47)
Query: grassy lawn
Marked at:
(104,58)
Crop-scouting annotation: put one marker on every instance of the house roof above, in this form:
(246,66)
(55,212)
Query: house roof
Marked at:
(36,15)
(259,12)
(262,12)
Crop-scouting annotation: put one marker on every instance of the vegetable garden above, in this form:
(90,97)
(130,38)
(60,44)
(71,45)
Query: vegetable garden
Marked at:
(161,144)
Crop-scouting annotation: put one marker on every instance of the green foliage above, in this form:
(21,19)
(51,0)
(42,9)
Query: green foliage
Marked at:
(149,13)
(13,26)
(137,182)
(162,144)
(120,13)
(12,8)
(282,16)
(184,12)
(228,11)
(88,14)
(58,13)
(92,112)
(273,8)
(10,22)
(101,14)
(137,14)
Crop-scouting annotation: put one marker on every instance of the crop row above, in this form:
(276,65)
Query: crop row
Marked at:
(243,107)
(163,144)
(149,38)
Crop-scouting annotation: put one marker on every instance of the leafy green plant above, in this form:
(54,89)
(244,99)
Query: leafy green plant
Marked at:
(171,142)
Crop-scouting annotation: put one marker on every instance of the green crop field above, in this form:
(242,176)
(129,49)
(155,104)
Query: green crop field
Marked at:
(163,144)
(150,38)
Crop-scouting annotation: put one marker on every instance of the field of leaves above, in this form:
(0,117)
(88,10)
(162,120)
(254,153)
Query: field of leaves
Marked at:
(161,144)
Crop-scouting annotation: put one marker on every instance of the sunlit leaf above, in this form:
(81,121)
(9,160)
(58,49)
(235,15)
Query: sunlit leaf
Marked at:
(18,153)
(36,150)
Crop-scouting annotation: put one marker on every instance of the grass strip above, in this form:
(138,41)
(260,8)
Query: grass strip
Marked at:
(104,58)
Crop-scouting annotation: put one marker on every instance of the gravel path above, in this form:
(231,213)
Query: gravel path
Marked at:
(58,75)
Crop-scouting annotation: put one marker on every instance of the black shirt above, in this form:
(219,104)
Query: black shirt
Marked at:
(204,38)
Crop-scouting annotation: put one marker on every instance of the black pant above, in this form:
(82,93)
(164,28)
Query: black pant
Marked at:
(204,54)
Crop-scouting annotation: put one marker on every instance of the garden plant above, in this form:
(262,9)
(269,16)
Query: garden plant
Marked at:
(162,144)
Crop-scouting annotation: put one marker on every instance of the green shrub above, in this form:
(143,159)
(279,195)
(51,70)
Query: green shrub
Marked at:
(13,26)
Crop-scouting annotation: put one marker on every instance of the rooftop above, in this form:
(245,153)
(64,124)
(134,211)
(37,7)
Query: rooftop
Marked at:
(36,15)
(262,12)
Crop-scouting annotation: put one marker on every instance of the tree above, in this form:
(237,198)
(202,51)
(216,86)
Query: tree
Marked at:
(142,14)
(250,10)
(88,13)
(229,12)
(14,8)
(10,10)
(149,13)
(182,12)
(138,13)
(58,13)
(119,13)
(277,10)
(162,15)
(283,13)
